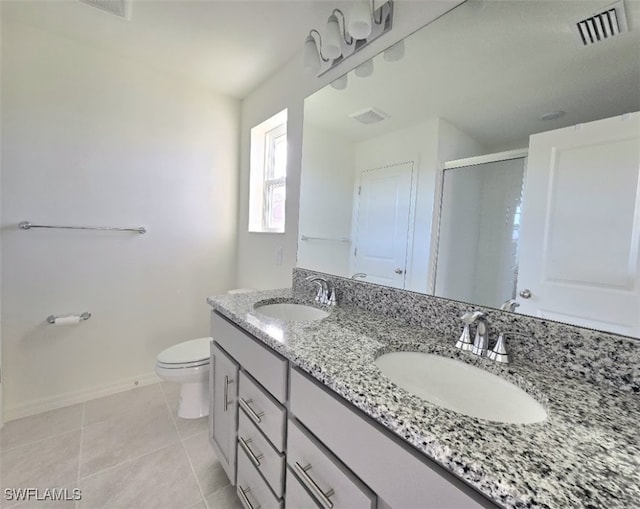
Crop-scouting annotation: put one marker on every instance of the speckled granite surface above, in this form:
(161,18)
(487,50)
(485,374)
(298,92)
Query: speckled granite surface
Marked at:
(596,356)
(585,455)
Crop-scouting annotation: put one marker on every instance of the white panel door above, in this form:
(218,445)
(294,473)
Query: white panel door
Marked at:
(382,224)
(581,226)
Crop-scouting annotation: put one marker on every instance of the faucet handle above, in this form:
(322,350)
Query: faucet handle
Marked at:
(499,351)
(471,316)
(481,341)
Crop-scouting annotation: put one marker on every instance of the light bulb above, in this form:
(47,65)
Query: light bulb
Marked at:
(332,47)
(340,83)
(359,26)
(365,69)
(311,57)
(395,52)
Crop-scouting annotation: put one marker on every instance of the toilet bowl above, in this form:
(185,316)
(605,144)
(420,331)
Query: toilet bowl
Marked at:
(188,364)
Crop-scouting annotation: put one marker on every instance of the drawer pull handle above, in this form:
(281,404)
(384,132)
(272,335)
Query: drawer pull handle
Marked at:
(252,456)
(227,382)
(323,497)
(245,403)
(245,500)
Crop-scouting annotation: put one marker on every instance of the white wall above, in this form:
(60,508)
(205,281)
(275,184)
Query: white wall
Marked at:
(287,89)
(94,139)
(418,144)
(326,190)
(428,145)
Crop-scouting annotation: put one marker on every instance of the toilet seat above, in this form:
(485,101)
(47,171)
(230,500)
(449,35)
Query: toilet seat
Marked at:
(183,365)
(188,354)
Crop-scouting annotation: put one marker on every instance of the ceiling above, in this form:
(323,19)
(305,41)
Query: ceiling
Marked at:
(228,46)
(492,68)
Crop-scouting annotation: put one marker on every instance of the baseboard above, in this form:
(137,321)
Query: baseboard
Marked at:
(71,398)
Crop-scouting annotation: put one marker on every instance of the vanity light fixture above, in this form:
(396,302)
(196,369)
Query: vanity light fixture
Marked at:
(312,54)
(345,35)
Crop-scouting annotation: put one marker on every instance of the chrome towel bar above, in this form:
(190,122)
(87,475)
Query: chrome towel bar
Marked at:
(329,239)
(84,316)
(26,225)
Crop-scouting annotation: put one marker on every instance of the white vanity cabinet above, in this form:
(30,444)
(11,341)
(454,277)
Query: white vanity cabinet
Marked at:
(299,446)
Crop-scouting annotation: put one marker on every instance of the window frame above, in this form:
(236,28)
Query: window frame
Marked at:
(269,181)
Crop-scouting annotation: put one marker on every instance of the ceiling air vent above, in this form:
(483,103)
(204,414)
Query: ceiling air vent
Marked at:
(121,8)
(369,115)
(604,24)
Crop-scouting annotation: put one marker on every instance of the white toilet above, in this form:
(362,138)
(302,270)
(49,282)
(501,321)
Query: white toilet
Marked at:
(187,363)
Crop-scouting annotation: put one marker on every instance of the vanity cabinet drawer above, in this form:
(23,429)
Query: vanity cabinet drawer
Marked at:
(266,366)
(261,453)
(399,475)
(297,496)
(252,489)
(263,410)
(331,484)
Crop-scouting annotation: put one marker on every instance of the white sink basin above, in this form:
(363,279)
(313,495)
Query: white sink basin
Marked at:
(292,312)
(460,387)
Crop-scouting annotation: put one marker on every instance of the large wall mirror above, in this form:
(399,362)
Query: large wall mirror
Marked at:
(492,157)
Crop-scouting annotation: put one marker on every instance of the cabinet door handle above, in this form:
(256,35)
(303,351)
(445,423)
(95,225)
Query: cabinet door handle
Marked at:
(252,456)
(323,497)
(245,403)
(227,382)
(243,497)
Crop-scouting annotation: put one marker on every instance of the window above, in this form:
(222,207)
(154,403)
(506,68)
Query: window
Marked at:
(268,175)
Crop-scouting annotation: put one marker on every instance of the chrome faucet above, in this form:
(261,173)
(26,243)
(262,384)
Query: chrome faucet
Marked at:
(509,305)
(359,274)
(480,345)
(499,351)
(326,290)
(464,343)
(481,341)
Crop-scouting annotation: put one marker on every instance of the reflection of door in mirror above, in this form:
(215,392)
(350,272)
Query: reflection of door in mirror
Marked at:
(381,234)
(580,232)
(477,254)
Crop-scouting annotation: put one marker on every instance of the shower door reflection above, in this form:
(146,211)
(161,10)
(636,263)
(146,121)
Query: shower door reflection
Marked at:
(477,255)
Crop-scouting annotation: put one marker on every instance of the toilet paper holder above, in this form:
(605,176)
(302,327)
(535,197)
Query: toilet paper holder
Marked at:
(84,316)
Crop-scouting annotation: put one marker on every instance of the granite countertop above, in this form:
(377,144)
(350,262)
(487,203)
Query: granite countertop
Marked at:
(586,454)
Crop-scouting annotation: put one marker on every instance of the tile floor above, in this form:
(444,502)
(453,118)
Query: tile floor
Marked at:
(125,451)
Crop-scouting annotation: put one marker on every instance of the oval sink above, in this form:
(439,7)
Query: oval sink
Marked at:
(457,386)
(291,312)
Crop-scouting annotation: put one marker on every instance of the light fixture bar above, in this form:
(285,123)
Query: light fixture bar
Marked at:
(381,23)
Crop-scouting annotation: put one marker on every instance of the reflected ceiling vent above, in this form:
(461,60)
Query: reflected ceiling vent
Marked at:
(369,116)
(121,8)
(604,24)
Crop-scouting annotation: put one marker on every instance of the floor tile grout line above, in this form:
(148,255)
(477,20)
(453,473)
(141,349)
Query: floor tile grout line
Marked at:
(84,409)
(57,435)
(173,419)
(166,446)
(193,471)
(182,440)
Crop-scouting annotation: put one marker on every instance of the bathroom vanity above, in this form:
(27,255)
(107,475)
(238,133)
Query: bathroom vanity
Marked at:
(302,416)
